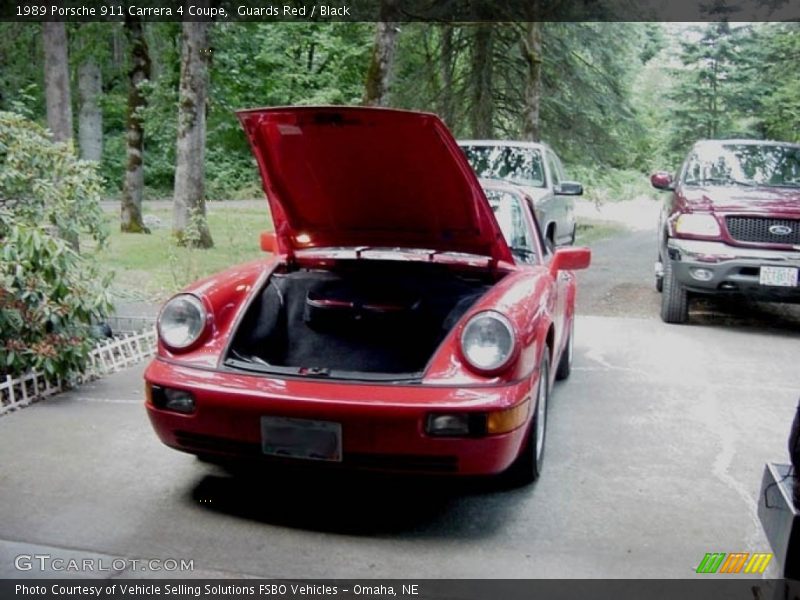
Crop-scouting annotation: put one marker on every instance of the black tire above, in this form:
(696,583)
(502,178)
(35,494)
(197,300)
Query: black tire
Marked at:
(551,237)
(565,363)
(528,465)
(674,298)
(208,459)
(660,280)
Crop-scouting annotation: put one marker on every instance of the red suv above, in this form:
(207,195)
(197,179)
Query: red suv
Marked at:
(731,224)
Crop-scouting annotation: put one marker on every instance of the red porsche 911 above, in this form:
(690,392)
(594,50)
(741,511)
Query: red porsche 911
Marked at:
(410,320)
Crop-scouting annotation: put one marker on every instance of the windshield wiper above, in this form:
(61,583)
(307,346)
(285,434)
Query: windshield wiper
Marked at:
(788,184)
(723,181)
(523,253)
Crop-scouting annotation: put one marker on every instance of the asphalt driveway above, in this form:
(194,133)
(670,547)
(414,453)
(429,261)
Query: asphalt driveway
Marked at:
(654,455)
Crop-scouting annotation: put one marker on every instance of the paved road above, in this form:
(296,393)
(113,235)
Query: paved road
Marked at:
(655,450)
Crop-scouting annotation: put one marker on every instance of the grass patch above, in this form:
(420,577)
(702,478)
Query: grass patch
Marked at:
(590,231)
(152,267)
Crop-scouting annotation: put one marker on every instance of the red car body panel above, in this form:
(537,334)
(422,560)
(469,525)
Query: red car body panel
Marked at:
(383,422)
(224,296)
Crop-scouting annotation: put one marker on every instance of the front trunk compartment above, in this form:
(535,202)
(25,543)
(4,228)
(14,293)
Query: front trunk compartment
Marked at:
(361,319)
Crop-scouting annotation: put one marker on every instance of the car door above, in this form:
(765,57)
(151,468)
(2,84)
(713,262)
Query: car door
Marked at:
(563,206)
(562,278)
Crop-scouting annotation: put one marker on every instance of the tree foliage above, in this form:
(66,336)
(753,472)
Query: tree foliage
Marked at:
(480,73)
(736,81)
(775,84)
(704,98)
(49,294)
(611,94)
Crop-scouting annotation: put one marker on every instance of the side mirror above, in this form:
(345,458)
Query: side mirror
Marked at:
(570,259)
(662,180)
(569,188)
(269,243)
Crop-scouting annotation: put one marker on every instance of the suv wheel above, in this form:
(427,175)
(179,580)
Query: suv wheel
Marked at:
(659,270)
(674,298)
(551,236)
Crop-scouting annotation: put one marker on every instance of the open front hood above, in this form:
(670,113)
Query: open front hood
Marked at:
(369,177)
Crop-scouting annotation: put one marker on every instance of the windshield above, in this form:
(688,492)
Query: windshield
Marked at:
(522,166)
(744,164)
(508,212)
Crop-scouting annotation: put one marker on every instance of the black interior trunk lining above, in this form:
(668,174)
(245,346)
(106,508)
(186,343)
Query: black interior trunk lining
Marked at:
(365,317)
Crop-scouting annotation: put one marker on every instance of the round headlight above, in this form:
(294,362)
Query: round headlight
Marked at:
(182,321)
(487,341)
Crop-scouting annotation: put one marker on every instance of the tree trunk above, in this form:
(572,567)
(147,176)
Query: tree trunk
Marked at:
(57,91)
(446,71)
(532,49)
(482,102)
(90,117)
(189,207)
(712,134)
(131,206)
(376,88)
(56,81)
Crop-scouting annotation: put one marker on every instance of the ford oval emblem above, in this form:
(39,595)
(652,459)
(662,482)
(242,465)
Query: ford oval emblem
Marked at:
(780,230)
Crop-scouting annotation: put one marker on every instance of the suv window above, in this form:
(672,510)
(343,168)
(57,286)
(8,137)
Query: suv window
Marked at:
(554,165)
(519,165)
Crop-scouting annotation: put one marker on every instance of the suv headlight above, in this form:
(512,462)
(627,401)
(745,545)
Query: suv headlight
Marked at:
(488,342)
(182,321)
(696,224)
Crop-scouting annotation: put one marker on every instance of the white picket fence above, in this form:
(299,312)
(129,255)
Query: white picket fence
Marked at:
(121,352)
(109,356)
(21,391)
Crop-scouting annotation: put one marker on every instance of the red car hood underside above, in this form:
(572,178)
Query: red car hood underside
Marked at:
(369,177)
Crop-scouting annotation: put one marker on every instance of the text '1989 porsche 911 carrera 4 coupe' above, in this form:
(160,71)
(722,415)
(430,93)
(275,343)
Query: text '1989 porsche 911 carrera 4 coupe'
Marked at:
(409,320)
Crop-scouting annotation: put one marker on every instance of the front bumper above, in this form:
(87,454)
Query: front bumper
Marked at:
(382,425)
(733,270)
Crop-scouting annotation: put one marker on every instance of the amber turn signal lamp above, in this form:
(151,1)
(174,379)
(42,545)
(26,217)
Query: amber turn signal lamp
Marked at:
(503,421)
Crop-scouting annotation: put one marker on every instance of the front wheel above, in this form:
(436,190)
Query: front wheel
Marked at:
(674,298)
(528,465)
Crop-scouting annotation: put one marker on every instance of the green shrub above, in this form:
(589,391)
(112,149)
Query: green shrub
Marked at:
(49,294)
(603,184)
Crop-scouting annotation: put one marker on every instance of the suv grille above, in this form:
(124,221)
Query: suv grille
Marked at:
(757,229)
